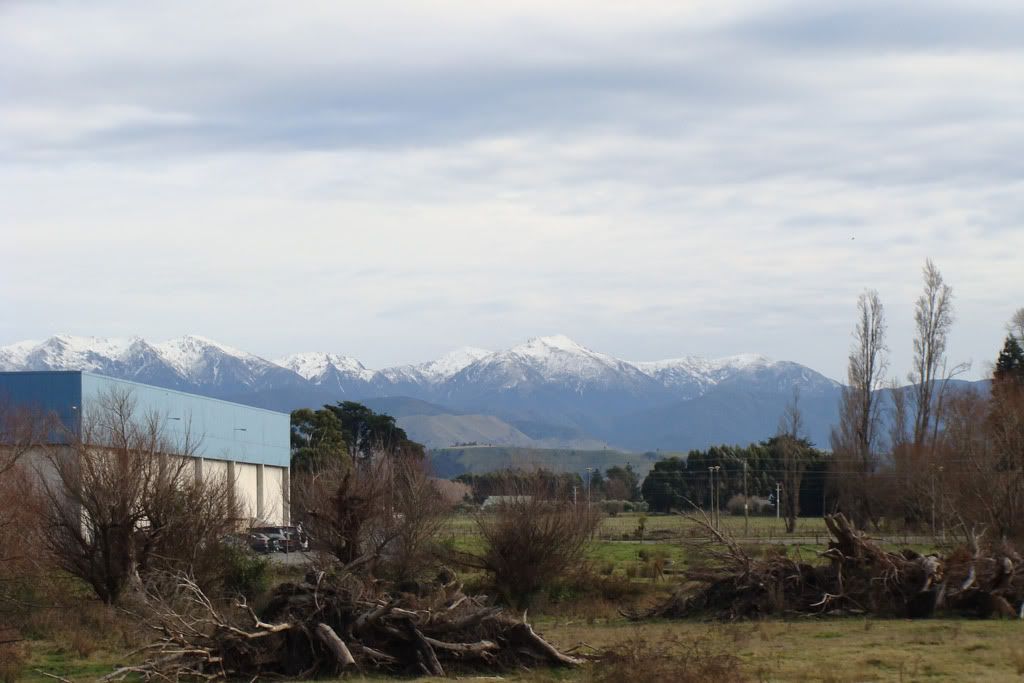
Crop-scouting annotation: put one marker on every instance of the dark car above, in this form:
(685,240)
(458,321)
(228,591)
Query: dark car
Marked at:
(289,539)
(263,543)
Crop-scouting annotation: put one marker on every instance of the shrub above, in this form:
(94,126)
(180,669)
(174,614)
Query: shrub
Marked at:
(641,527)
(531,540)
(612,507)
(245,573)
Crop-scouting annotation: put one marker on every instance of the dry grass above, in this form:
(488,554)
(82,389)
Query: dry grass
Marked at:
(682,659)
(839,650)
(836,650)
(671,526)
(13,658)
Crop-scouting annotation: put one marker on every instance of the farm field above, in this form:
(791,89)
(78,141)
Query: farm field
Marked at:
(841,649)
(624,526)
(581,610)
(836,650)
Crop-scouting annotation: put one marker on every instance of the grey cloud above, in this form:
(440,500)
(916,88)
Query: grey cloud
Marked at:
(877,25)
(702,171)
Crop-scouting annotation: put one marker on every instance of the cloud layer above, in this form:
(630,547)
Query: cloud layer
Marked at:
(394,179)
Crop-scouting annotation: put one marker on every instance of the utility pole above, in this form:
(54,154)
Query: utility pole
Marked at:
(746,503)
(711,493)
(718,502)
(778,499)
(589,475)
(713,470)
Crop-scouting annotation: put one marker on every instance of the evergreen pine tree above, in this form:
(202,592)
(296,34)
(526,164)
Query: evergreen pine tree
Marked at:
(1010,364)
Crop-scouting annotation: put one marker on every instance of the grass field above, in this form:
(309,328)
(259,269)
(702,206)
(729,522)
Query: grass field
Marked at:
(837,650)
(830,650)
(676,526)
(732,525)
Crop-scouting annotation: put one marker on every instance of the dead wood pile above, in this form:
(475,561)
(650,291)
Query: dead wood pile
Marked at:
(324,627)
(858,577)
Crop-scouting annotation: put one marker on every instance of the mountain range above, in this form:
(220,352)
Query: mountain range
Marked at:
(547,392)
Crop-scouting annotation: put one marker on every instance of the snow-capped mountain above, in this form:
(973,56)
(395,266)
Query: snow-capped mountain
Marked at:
(544,385)
(446,366)
(330,371)
(539,364)
(549,374)
(95,354)
(553,359)
(191,362)
(14,357)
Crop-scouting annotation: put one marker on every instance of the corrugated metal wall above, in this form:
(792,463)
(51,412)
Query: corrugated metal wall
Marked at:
(226,432)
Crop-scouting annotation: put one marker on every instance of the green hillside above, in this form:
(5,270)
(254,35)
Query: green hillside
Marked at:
(451,462)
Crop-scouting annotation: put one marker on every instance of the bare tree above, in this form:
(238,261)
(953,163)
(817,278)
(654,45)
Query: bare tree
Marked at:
(855,440)
(534,536)
(345,508)
(898,426)
(793,453)
(22,431)
(121,497)
(933,318)
(1016,325)
(380,515)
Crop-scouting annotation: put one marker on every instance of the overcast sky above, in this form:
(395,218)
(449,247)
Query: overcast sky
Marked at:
(391,180)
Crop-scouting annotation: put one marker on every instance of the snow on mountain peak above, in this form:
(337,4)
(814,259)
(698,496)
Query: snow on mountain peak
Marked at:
(555,358)
(70,351)
(314,365)
(743,361)
(555,342)
(105,346)
(450,363)
(13,356)
(201,362)
(184,354)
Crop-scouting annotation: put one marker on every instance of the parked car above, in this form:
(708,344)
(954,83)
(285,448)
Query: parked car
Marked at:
(289,539)
(263,543)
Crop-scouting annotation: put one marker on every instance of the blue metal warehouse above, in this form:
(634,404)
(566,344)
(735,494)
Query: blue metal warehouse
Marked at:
(250,446)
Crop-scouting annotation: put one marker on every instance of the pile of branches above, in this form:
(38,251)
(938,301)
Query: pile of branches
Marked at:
(855,576)
(332,626)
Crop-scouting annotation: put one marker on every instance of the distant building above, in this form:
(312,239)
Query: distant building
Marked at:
(244,445)
(498,501)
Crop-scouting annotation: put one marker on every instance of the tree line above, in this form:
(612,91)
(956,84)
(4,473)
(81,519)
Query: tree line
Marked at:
(928,454)
(620,483)
(944,457)
(692,483)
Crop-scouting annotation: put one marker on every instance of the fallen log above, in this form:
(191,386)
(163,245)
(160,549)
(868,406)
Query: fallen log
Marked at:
(325,628)
(858,576)
(336,645)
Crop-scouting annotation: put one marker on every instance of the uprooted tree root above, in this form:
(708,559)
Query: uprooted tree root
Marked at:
(859,578)
(325,627)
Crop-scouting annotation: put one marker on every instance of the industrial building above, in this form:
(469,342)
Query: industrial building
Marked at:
(242,444)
